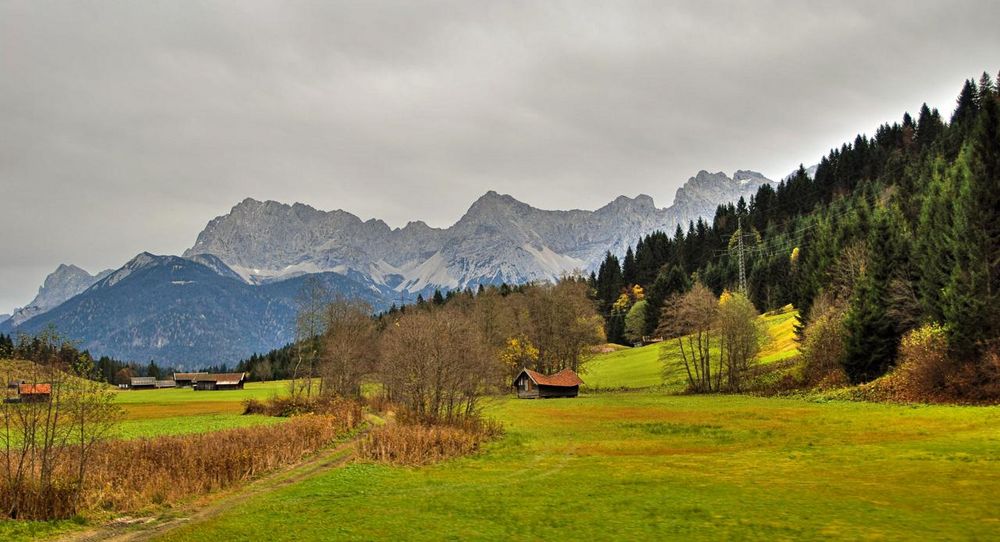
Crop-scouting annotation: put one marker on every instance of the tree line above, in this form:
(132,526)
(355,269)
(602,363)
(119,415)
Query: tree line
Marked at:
(893,232)
(47,347)
(435,358)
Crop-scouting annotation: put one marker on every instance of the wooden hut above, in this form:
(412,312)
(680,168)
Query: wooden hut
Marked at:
(142,383)
(186,379)
(534,385)
(34,393)
(221,381)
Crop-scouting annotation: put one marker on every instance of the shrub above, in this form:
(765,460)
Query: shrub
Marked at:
(286,407)
(927,373)
(128,475)
(823,347)
(976,382)
(254,406)
(924,365)
(407,442)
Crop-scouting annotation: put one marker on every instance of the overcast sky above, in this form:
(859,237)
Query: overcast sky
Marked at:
(126,126)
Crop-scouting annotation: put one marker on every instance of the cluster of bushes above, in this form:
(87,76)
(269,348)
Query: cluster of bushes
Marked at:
(129,474)
(719,339)
(126,475)
(927,371)
(412,442)
(926,368)
(296,405)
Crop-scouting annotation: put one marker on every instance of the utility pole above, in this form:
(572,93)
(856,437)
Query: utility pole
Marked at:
(739,248)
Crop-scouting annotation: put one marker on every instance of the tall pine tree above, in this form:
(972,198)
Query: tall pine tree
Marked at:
(872,339)
(970,299)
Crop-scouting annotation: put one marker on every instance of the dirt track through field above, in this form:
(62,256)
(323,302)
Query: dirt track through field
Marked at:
(128,529)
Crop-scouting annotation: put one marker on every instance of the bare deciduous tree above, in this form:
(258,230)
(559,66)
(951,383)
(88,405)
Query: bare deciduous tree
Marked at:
(741,335)
(690,319)
(49,428)
(349,347)
(311,303)
(560,321)
(435,364)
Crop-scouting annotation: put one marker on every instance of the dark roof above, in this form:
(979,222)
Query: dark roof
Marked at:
(188,376)
(221,378)
(34,389)
(565,378)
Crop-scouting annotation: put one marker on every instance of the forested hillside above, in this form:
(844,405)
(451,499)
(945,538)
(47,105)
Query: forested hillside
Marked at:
(896,230)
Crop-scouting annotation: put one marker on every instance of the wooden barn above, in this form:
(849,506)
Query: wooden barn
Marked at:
(222,381)
(34,393)
(142,383)
(186,379)
(534,385)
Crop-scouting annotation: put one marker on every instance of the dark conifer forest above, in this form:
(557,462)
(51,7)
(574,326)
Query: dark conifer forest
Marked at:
(900,227)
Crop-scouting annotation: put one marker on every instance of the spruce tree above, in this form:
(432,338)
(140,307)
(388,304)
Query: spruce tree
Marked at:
(970,299)
(872,339)
(628,267)
(670,281)
(933,245)
(967,106)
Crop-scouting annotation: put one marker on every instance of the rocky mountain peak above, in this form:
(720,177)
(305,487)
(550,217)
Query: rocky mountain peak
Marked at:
(702,194)
(65,282)
(746,175)
(498,238)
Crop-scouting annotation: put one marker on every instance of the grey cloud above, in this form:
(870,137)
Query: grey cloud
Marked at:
(126,126)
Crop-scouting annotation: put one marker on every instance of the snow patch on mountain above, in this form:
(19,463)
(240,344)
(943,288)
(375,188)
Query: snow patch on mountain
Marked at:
(499,239)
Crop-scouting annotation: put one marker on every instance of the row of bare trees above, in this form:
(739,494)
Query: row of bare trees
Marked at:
(719,338)
(438,360)
(48,434)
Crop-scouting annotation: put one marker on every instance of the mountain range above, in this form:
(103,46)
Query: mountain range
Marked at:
(233,293)
(499,239)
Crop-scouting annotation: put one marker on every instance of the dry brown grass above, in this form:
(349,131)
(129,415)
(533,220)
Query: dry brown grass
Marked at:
(412,443)
(128,475)
(286,407)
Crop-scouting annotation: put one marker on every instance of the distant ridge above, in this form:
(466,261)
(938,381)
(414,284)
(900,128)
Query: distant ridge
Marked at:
(233,293)
(499,239)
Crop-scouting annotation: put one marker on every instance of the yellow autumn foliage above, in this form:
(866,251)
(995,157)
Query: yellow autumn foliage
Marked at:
(518,353)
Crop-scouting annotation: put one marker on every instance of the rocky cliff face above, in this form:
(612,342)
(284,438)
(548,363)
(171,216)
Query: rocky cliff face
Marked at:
(702,193)
(499,239)
(62,284)
(233,292)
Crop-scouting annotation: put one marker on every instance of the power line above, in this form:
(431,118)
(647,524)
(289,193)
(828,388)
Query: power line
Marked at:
(743,274)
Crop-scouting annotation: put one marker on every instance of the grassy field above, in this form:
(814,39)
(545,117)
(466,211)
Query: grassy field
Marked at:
(651,466)
(177,411)
(641,368)
(641,464)
(183,410)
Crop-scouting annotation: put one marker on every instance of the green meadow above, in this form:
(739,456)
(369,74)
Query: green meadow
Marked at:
(646,466)
(643,368)
(182,410)
(642,463)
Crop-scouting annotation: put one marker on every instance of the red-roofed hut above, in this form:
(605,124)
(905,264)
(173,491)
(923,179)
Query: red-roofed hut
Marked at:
(534,385)
(34,393)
